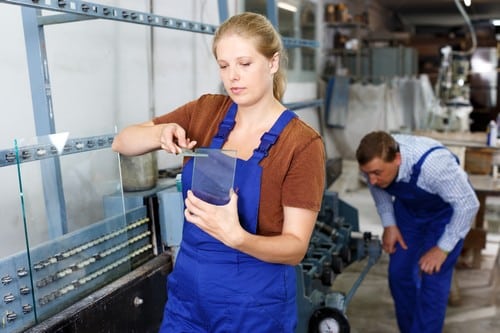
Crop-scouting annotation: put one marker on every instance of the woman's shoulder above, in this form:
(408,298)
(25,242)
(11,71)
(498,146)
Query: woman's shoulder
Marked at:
(300,135)
(300,128)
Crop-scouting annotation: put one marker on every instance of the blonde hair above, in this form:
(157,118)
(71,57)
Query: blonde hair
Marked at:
(267,42)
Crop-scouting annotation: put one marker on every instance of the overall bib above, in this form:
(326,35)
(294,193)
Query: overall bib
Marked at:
(420,299)
(214,288)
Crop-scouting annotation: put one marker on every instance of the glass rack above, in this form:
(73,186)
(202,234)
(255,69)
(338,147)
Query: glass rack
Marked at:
(67,229)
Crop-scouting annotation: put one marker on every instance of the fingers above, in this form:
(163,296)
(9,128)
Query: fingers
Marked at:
(173,138)
(390,247)
(233,195)
(190,144)
(188,214)
(402,243)
(191,203)
(432,261)
(430,267)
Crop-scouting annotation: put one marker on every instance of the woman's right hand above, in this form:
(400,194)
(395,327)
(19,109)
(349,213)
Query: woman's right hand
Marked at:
(173,139)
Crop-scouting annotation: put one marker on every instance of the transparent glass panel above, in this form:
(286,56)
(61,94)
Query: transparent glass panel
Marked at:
(14,266)
(213,175)
(308,31)
(286,24)
(71,234)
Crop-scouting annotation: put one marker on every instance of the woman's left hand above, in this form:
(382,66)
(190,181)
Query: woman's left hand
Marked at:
(220,222)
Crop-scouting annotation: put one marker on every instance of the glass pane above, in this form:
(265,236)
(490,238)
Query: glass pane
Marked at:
(213,175)
(286,24)
(78,235)
(308,31)
(14,266)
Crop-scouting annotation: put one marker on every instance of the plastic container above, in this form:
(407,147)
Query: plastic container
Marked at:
(492,134)
(498,125)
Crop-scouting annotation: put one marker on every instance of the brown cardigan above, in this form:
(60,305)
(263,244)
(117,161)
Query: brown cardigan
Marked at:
(293,173)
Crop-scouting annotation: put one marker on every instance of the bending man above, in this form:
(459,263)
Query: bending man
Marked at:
(426,205)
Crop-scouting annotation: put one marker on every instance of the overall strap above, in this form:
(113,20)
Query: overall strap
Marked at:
(225,127)
(269,138)
(418,166)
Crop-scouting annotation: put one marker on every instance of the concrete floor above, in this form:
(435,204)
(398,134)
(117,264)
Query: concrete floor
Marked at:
(371,309)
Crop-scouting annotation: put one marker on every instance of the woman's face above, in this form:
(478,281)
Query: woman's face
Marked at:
(246,74)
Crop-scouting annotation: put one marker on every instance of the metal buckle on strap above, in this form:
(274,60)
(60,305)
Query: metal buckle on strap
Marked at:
(266,141)
(224,129)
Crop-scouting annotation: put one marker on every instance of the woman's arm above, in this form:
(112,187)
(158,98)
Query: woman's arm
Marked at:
(145,137)
(138,139)
(288,248)
(222,223)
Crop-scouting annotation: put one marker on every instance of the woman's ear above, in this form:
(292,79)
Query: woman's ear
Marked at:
(274,63)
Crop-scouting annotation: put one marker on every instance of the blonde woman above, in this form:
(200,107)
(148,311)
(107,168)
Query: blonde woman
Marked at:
(235,269)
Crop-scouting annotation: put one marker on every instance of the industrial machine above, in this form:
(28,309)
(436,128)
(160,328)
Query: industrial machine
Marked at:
(335,244)
(452,106)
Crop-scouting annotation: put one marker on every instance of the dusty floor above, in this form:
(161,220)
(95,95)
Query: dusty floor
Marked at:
(371,308)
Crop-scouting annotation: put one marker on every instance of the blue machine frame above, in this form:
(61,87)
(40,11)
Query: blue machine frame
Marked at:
(335,244)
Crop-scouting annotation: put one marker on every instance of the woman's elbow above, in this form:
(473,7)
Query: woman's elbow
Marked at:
(297,258)
(118,145)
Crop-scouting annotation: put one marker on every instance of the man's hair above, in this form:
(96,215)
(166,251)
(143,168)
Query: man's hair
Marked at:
(377,144)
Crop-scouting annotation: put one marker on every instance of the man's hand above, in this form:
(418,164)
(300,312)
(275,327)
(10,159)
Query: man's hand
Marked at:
(390,237)
(432,260)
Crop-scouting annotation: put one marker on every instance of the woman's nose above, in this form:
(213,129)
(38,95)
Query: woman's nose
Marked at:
(234,74)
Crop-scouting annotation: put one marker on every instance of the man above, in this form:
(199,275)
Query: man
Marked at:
(426,205)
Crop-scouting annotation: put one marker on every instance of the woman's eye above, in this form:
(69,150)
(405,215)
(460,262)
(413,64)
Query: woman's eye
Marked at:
(245,64)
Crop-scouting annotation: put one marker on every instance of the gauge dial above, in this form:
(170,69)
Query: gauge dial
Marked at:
(328,320)
(329,325)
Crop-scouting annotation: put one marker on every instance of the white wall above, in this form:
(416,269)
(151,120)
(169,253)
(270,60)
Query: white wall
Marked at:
(103,74)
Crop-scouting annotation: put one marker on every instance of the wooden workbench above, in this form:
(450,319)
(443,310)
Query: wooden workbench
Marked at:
(484,186)
(466,139)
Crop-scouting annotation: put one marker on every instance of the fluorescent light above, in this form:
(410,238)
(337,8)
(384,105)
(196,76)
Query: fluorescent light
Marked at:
(467,3)
(496,22)
(287,6)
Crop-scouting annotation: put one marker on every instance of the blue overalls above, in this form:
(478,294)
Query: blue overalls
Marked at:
(214,288)
(420,299)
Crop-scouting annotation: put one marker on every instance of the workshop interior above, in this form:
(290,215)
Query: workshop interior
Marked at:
(89,236)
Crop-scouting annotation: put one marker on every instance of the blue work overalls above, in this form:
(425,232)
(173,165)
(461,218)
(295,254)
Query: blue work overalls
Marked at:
(214,288)
(420,299)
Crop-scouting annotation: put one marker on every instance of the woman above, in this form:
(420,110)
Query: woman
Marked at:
(235,268)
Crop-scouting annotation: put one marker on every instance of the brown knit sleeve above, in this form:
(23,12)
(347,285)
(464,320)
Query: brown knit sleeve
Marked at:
(181,115)
(304,184)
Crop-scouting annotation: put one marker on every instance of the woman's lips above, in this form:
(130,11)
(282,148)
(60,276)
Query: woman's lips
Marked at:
(236,90)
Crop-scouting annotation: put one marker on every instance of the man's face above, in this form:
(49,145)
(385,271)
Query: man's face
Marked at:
(381,173)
